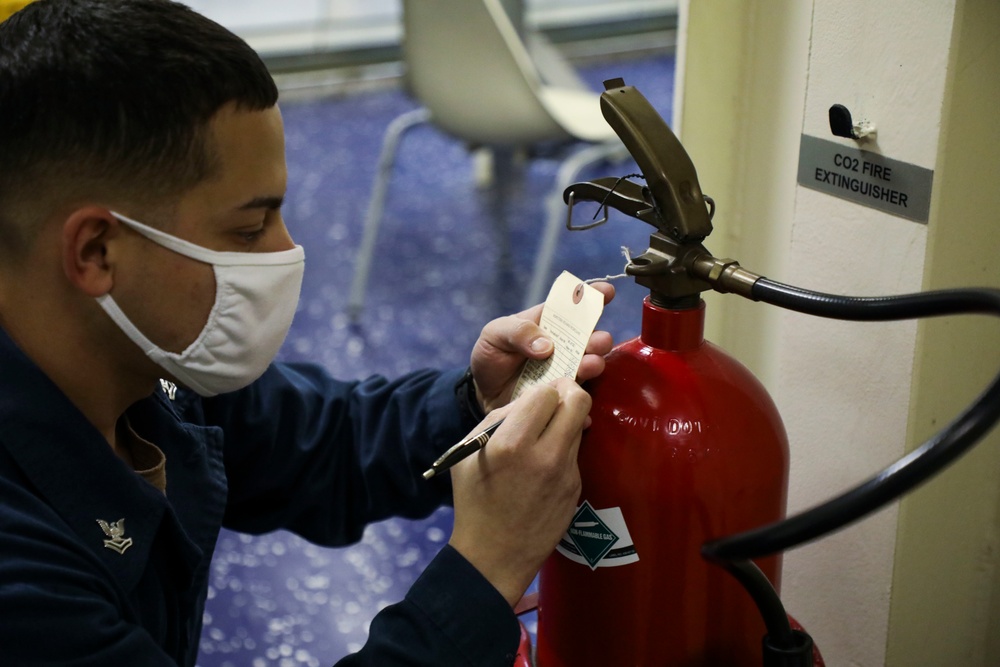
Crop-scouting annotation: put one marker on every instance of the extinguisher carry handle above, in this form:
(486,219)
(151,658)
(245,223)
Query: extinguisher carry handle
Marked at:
(671,199)
(671,178)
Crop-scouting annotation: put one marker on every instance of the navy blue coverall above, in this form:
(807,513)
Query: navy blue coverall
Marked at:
(296,450)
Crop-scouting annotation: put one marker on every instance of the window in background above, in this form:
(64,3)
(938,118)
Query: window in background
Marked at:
(307,26)
(302,27)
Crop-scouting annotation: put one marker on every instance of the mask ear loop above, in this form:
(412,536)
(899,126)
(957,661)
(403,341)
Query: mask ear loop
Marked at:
(186,249)
(218,257)
(118,315)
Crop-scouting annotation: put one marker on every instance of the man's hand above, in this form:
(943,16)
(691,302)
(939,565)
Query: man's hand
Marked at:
(506,342)
(516,497)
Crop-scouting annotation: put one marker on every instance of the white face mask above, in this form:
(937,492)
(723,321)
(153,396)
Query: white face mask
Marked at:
(255,299)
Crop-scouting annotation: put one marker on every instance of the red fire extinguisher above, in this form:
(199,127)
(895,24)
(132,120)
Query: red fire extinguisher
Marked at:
(685,447)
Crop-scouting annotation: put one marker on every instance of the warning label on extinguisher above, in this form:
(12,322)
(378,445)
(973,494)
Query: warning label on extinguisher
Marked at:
(598,538)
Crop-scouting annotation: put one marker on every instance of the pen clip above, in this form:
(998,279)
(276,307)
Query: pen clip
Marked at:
(462,450)
(452,451)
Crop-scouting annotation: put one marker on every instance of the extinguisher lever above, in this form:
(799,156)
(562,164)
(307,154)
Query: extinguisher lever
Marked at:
(676,267)
(671,179)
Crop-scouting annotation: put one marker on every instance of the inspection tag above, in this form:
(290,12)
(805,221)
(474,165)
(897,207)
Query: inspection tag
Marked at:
(569,316)
(866,178)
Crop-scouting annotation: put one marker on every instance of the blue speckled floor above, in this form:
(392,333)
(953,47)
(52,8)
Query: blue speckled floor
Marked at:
(276,599)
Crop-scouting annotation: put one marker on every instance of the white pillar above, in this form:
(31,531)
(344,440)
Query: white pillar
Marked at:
(755,76)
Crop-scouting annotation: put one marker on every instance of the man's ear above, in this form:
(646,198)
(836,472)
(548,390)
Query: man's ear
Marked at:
(86,234)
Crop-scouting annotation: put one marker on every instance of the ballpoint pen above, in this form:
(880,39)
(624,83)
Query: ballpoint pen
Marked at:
(462,450)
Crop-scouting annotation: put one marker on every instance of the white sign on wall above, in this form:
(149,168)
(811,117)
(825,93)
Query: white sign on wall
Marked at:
(866,178)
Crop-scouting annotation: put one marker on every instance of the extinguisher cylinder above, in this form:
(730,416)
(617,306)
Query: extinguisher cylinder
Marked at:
(685,446)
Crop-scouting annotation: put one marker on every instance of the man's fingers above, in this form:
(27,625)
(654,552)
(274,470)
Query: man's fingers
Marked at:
(591,366)
(516,334)
(534,313)
(546,416)
(529,415)
(607,289)
(600,343)
(570,416)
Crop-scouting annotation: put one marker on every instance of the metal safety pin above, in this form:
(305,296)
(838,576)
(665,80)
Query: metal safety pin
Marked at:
(571,202)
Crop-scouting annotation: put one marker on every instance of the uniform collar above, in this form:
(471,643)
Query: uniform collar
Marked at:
(74,469)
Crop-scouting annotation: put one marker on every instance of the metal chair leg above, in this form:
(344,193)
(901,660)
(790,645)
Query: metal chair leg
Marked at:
(373,217)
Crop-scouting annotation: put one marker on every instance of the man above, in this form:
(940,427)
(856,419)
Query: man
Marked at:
(142,247)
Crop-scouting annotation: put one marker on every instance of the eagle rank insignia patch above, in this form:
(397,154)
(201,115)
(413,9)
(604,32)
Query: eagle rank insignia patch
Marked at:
(116,534)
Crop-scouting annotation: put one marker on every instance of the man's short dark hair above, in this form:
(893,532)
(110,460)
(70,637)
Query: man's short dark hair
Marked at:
(116,93)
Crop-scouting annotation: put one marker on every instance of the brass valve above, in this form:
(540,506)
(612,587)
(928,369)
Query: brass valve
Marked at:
(676,267)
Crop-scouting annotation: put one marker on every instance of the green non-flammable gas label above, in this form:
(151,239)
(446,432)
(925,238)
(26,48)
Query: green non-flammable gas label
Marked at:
(598,538)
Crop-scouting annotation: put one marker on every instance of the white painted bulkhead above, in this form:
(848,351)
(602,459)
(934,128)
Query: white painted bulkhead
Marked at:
(753,76)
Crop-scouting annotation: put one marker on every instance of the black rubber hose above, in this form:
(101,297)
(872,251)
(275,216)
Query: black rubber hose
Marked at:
(911,470)
(765,597)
